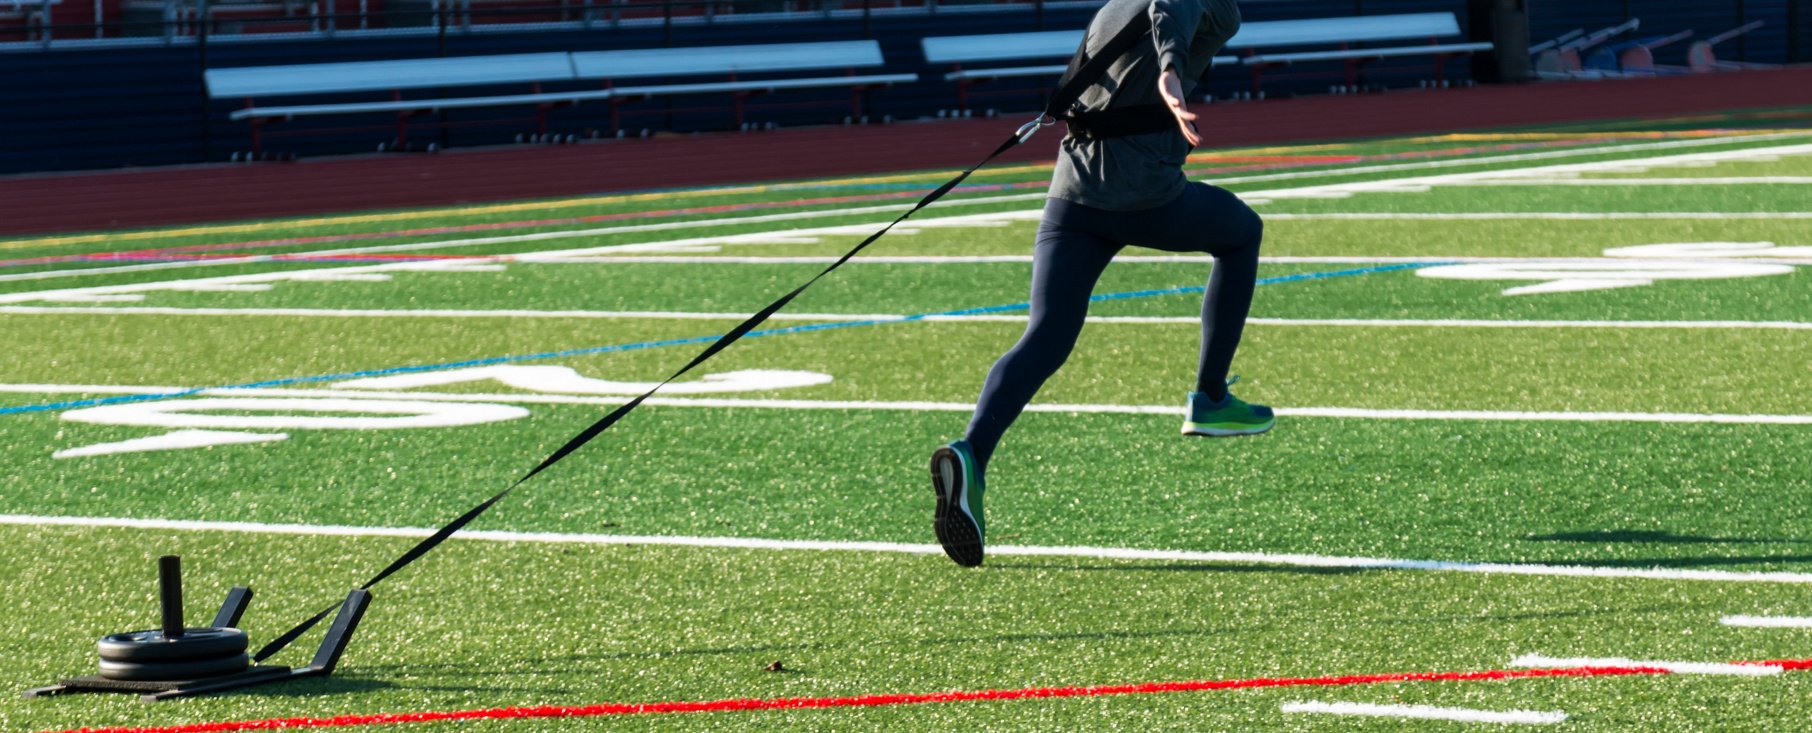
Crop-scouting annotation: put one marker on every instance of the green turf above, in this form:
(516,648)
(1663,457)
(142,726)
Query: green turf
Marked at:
(1556,492)
(484,624)
(574,625)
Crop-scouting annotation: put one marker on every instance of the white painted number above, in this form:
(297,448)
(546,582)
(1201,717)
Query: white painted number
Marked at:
(1710,261)
(229,413)
(563,380)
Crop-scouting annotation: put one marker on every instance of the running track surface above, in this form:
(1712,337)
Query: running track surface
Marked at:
(115,199)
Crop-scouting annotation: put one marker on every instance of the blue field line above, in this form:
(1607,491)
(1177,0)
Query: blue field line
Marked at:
(617,348)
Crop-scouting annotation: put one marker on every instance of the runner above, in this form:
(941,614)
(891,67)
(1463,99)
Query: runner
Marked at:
(1119,181)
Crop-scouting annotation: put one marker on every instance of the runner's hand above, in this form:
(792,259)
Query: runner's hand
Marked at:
(1171,87)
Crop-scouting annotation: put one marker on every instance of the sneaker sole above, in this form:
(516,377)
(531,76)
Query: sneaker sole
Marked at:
(955,529)
(1215,431)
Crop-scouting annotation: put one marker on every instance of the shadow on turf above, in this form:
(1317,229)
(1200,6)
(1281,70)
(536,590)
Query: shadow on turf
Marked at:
(1681,562)
(1664,537)
(1636,536)
(543,666)
(370,679)
(312,687)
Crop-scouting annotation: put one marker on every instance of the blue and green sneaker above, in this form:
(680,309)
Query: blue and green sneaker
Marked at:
(958,521)
(1230,416)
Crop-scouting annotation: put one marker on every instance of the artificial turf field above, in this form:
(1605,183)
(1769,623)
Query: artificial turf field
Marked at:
(1544,435)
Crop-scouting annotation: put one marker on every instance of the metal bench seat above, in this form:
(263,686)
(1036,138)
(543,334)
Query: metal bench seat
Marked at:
(765,85)
(679,62)
(1358,29)
(383,76)
(1366,53)
(418,105)
(1048,70)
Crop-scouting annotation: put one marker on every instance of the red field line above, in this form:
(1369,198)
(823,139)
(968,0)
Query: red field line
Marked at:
(807,703)
(139,198)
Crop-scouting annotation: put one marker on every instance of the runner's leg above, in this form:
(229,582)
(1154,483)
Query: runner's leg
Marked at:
(1212,220)
(1066,261)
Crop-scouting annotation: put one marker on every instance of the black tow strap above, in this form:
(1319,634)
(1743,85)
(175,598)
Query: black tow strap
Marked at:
(1083,71)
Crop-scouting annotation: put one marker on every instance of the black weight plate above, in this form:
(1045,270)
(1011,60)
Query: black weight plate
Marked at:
(193,669)
(153,646)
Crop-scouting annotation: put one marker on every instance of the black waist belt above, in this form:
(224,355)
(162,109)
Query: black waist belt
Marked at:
(1121,122)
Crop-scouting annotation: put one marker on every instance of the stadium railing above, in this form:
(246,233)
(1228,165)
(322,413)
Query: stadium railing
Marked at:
(26,19)
(85,22)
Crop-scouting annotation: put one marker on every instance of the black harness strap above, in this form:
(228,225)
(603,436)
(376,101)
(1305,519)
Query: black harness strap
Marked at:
(1114,122)
(1082,72)
(1140,119)
(1092,68)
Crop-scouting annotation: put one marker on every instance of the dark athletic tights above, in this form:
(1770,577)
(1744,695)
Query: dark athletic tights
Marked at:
(1075,243)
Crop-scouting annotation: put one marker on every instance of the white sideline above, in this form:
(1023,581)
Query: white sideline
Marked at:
(1104,553)
(1427,712)
(836,317)
(1548,155)
(1417,184)
(1768,622)
(773,404)
(1726,181)
(1707,668)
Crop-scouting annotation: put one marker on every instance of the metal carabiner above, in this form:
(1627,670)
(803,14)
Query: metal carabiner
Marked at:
(1027,130)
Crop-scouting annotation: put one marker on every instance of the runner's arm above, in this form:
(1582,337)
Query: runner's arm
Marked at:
(1173,26)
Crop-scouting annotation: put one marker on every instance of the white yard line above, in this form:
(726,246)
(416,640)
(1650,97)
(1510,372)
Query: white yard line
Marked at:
(1768,622)
(429,313)
(1519,157)
(1427,712)
(1707,181)
(78,272)
(1705,668)
(1104,553)
(1423,183)
(543,236)
(918,406)
(839,317)
(1124,259)
(465,264)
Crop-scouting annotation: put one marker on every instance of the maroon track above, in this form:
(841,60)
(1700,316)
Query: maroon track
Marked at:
(150,197)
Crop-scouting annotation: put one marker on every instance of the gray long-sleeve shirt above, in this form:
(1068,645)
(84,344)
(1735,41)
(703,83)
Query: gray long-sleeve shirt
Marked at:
(1141,171)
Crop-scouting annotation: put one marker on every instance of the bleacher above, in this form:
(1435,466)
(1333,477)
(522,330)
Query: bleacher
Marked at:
(108,93)
(1434,30)
(681,71)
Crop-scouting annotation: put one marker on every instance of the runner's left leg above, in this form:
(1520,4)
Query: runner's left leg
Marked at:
(1066,261)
